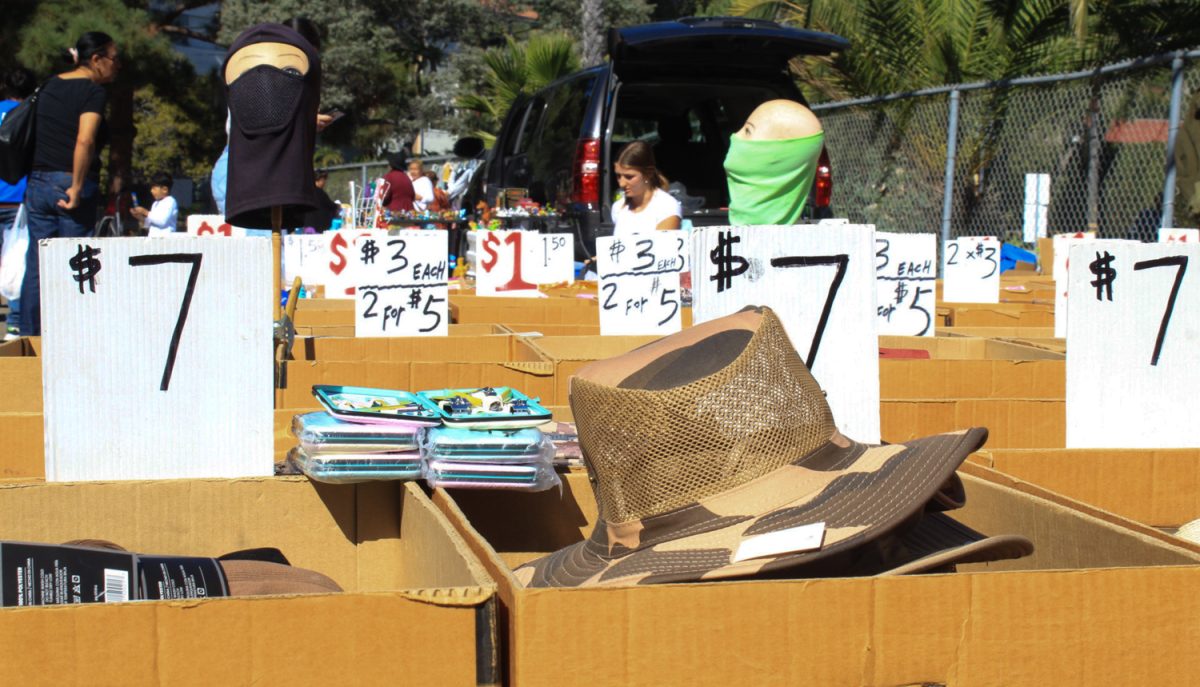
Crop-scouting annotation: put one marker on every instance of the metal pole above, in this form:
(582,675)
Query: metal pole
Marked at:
(364,183)
(1168,197)
(1093,178)
(951,153)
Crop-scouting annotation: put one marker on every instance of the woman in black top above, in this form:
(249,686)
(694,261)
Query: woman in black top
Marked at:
(62,193)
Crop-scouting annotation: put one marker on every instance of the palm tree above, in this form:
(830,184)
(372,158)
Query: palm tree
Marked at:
(515,70)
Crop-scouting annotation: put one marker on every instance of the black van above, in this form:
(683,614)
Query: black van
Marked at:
(685,86)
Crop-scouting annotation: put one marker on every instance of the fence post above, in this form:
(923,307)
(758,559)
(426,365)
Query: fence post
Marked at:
(1093,178)
(951,154)
(1168,197)
(362,169)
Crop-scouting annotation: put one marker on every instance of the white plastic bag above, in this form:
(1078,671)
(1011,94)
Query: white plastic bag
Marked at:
(12,260)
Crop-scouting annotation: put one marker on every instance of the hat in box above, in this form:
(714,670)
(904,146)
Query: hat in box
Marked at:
(713,454)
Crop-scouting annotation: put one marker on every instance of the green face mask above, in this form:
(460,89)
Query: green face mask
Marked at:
(769,181)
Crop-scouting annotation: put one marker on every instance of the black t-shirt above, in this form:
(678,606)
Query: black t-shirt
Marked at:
(321,217)
(60,103)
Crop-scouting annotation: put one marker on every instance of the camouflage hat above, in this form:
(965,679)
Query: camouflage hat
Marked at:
(714,454)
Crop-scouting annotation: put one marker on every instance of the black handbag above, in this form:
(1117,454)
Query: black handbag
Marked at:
(17,135)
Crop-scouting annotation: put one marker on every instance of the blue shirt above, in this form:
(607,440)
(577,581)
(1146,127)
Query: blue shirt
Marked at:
(10,193)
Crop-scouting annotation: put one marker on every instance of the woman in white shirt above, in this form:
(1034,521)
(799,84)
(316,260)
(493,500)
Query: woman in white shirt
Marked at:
(644,205)
(162,217)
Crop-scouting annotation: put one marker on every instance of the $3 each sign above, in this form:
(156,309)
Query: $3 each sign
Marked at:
(514,263)
(905,276)
(639,282)
(403,289)
(347,250)
(1131,364)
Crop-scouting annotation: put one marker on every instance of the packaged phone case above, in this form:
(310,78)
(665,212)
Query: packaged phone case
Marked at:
(344,468)
(488,407)
(497,446)
(384,406)
(464,475)
(321,433)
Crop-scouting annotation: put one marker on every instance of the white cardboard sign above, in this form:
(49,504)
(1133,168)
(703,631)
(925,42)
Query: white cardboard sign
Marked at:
(820,280)
(404,291)
(157,358)
(304,256)
(905,278)
(1131,344)
(1037,206)
(639,282)
(1062,267)
(212,225)
(1175,235)
(971,270)
(549,258)
(345,251)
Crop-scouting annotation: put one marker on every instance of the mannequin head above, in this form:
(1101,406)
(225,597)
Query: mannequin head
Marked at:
(771,164)
(778,120)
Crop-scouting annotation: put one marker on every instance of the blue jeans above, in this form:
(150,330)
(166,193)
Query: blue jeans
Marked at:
(48,221)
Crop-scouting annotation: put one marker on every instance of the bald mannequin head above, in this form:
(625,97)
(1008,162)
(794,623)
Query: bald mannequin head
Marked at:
(777,120)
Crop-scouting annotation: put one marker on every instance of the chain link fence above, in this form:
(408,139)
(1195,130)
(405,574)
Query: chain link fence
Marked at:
(1102,137)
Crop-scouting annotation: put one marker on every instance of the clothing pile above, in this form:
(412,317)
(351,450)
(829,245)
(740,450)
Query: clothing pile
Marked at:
(714,454)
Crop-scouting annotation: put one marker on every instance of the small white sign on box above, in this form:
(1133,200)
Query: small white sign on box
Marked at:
(212,225)
(639,282)
(820,280)
(404,291)
(1037,206)
(971,270)
(1062,266)
(1175,235)
(346,251)
(157,358)
(905,278)
(1131,344)
(515,262)
(304,256)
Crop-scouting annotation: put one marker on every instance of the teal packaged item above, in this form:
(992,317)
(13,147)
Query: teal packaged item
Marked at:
(499,407)
(496,446)
(321,433)
(369,405)
(345,468)
(460,475)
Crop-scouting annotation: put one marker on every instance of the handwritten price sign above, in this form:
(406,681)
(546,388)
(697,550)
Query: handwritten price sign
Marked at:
(639,282)
(157,358)
(1134,321)
(514,263)
(1062,268)
(346,252)
(821,282)
(1170,235)
(403,290)
(305,256)
(971,273)
(905,275)
(212,225)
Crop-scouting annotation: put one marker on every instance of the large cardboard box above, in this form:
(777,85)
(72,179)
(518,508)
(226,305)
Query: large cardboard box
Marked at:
(1001,332)
(1159,487)
(21,375)
(966,367)
(1100,602)
(1011,422)
(497,345)
(569,353)
(1002,315)
(417,607)
(468,309)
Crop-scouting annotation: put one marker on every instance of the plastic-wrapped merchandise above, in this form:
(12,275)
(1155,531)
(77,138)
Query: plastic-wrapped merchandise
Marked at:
(493,446)
(453,474)
(370,405)
(341,468)
(499,407)
(320,433)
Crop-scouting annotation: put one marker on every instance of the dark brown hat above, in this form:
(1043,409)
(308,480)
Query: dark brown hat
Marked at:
(714,454)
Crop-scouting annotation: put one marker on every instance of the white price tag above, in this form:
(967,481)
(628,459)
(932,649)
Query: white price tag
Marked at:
(304,256)
(971,273)
(820,280)
(1037,206)
(346,251)
(549,258)
(639,282)
(157,358)
(212,225)
(404,290)
(905,278)
(1062,267)
(1172,235)
(505,267)
(1131,337)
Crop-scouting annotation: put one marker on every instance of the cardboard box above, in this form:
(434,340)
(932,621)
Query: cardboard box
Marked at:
(569,353)
(417,607)
(1000,332)
(1158,487)
(1090,607)
(22,446)
(494,346)
(469,309)
(533,330)
(1011,422)
(348,330)
(1003,315)
(954,347)
(21,372)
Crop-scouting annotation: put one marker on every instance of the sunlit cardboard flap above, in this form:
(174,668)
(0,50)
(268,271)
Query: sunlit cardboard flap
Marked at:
(158,360)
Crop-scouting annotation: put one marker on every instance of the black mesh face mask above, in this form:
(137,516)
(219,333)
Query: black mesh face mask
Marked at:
(265,99)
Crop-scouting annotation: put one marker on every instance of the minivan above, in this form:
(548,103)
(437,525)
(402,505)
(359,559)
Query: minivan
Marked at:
(684,86)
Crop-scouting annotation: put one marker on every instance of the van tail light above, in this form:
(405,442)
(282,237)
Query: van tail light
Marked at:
(585,182)
(823,186)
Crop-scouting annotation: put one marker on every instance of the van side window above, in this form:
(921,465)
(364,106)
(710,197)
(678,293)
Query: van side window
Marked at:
(533,115)
(553,151)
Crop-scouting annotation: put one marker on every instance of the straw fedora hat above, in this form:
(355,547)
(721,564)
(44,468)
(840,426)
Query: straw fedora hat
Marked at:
(713,454)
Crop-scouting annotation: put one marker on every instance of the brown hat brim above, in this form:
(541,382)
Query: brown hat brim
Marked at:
(859,493)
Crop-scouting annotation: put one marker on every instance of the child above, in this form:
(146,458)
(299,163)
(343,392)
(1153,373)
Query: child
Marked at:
(162,217)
